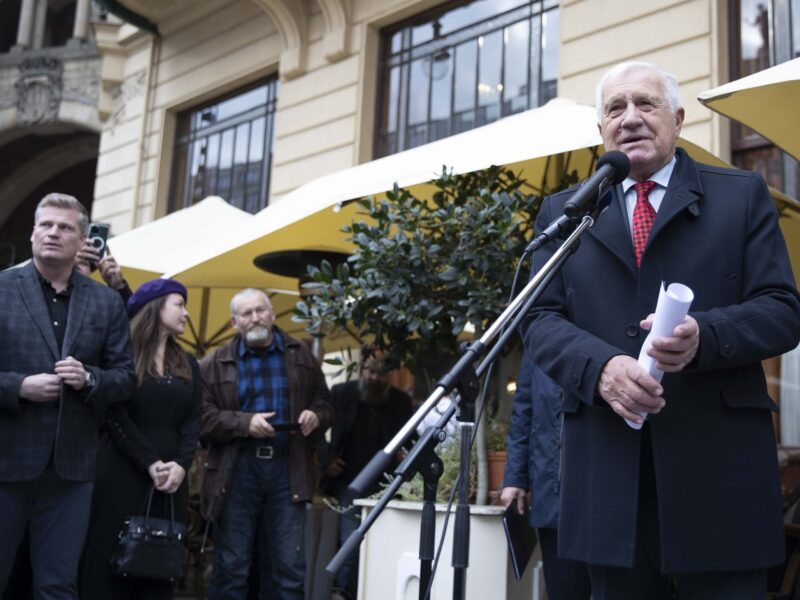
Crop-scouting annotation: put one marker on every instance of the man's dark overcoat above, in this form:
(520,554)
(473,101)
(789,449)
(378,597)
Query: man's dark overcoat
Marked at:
(713,444)
(97,335)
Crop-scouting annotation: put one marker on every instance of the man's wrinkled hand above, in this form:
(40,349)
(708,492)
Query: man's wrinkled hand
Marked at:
(309,421)
(44,387)
(628,389)
(72,373)
(259,425)
(335,468)
(673,353)
(514,494)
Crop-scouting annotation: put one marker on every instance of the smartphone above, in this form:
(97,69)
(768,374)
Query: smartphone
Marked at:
(98,236)
(286,426)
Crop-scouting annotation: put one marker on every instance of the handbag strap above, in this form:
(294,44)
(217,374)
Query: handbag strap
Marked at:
(148,503)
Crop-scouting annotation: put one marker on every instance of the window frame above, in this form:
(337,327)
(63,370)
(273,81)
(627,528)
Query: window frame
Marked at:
(186,136)
(404,59)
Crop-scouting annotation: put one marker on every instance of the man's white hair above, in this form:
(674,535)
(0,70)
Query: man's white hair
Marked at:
(667,79)
(248,292)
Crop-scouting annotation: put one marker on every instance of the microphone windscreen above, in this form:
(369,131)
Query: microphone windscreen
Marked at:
(619,162)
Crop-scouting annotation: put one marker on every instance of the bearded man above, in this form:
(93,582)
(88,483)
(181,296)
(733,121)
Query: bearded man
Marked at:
(368,412)
(264,395)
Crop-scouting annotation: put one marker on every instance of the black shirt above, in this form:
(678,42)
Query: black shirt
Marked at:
(57,306)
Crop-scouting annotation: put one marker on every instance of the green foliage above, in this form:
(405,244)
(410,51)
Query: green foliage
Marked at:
(496,434)
(450,453)
(425,267)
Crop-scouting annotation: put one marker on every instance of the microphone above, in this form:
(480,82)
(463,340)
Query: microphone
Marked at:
(612,168)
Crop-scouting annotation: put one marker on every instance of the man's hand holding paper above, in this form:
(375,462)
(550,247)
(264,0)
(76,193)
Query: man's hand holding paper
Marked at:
(630,390)
(677,335)
(672,354)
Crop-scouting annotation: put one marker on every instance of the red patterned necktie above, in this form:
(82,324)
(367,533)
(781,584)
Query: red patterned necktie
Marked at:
(643,216)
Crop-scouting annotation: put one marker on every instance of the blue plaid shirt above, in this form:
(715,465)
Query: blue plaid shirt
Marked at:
(263,384)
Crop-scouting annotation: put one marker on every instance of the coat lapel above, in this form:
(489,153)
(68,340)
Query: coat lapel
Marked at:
(611,230)
(684,191)
(30,289)
(77,309)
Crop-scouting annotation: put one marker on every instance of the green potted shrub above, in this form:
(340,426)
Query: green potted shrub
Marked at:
(426,270)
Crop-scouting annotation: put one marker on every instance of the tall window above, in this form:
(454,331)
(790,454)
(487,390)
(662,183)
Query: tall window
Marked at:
(463,65)
(764,33)
(224,148)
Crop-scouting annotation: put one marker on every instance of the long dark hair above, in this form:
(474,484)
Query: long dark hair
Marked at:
(145,331)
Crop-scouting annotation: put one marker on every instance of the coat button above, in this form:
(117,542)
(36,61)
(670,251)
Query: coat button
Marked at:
(560,392)
(574,379)
(632,330)
(727,350)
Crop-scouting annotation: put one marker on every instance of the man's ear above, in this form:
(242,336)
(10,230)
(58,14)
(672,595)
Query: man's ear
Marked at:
(680,114)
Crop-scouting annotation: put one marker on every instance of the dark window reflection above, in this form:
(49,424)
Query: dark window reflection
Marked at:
(463,65)
(225,149)
(755,37)
(794,7)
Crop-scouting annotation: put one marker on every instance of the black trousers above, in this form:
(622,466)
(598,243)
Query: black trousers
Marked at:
(645,580)
(56,514)
(565,579)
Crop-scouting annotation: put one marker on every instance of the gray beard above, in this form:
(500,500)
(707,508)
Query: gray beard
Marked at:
(257,336)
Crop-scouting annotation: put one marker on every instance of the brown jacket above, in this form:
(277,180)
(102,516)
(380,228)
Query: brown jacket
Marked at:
(225,425)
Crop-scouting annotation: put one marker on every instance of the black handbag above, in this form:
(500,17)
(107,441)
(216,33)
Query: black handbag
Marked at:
(151,548)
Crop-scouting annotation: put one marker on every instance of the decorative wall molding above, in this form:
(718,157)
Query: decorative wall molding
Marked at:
(291,19)
(335,14)
(39,90)
(122,93)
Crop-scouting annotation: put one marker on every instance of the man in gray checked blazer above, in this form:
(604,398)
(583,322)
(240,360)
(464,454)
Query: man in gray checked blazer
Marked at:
(64,354)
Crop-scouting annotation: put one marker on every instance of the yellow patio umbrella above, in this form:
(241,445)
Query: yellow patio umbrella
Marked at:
(767,102)
(540,145)
(190,234)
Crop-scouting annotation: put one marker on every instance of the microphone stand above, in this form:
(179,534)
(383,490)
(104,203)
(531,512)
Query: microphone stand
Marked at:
(463,376)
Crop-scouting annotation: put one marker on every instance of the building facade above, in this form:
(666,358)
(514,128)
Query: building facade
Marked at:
(49,121)
(249,99)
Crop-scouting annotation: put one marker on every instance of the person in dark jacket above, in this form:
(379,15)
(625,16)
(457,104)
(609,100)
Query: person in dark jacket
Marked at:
(149,441)
(255,471)
(533,466)
(368,412)
(65,356)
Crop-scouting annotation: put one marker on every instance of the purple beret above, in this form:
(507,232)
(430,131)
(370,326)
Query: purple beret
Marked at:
(150,290)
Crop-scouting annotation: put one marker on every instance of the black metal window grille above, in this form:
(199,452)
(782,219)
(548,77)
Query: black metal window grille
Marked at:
(224,148)
(464,65)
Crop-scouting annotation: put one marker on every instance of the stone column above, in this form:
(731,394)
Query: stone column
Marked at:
(81,29)
(25,27)
(39,21)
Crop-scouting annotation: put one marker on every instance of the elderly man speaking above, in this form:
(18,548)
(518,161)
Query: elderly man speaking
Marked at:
(695,493)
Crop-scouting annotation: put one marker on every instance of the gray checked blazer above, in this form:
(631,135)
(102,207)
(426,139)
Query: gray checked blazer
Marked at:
(97,334)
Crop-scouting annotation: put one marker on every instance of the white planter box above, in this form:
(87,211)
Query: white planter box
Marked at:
(389,563)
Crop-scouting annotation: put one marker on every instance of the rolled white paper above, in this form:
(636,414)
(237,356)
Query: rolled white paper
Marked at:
(671,308)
